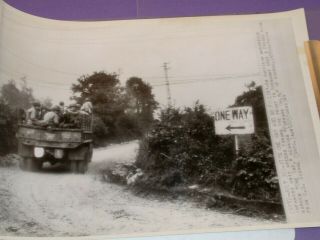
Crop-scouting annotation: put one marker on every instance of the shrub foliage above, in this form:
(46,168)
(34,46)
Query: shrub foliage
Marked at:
(12,98)
(184,143)
(182,148)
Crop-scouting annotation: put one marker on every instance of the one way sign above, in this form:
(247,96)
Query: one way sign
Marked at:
(234,121)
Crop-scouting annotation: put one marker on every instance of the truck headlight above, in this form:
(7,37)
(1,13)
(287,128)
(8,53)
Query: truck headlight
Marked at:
(58,153)
(38,152)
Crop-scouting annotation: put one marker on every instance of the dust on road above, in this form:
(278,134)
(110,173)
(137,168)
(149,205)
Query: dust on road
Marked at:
(57,203)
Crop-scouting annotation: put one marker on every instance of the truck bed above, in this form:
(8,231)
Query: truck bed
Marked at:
(53,137)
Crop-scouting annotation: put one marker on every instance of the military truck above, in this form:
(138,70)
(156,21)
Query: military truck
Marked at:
(69,146)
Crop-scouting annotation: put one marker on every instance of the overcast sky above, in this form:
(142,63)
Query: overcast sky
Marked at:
(210,60)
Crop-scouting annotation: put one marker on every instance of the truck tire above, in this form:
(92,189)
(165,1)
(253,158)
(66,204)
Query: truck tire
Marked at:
(82,167)
(32,164)
(74,166)
(89,156)
(78,166)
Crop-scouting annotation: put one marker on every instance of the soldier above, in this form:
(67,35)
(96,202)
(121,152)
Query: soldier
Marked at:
(62,107)
(33,113)
(86,107)
(43,111)
(51,118)
(71,117)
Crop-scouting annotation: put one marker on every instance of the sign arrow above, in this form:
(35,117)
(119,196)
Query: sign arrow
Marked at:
(229,127)
(235,120)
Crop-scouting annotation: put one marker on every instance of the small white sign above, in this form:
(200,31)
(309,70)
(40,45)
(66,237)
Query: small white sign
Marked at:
(236,120)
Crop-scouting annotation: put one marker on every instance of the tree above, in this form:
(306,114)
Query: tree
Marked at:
(120,113)
(7,140)
(254,97)
(107,96)
(13,100)
(141,99)
(15,97)
(99,87)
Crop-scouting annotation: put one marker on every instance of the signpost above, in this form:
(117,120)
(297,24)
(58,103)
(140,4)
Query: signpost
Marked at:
(234,121)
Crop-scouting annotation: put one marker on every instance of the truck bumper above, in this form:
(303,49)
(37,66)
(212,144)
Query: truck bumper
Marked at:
(74,154)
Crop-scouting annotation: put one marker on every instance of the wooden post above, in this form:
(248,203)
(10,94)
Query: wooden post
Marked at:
(234,172)
(236,144)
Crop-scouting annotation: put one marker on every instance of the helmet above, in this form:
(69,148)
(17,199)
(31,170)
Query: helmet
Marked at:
(55,108)
(72,105)
(36,103)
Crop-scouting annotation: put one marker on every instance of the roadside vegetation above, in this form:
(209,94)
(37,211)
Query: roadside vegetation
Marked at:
(13,98)
(183,152)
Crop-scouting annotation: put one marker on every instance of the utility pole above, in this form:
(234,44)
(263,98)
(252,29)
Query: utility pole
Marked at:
(166,68)
(119,72)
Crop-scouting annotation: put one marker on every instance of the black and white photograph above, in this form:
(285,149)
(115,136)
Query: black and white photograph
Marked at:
(134,127)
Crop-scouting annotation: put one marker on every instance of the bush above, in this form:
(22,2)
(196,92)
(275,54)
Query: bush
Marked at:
(10,160)
(256,176)
(127,127)
(182,148)
(100,130)
(13,100)
(184,143)
(8,128)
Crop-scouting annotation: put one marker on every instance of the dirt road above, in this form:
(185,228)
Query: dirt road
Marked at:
(57,203)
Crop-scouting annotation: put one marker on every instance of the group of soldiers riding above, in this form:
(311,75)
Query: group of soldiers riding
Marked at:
(58,115)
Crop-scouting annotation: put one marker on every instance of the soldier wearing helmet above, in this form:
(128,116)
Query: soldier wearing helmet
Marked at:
(86,107)
(33,114)
(51,118)
(62,108)
(71,117)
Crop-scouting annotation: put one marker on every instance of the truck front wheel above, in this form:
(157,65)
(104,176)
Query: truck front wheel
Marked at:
(74,166)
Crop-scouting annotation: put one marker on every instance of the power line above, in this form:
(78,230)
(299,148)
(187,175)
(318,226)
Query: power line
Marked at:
(17,74)
(65,86)
(205,80)
(38,66)
(156,79)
